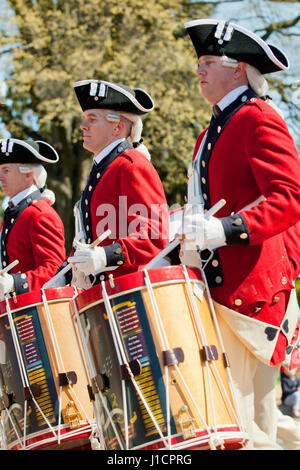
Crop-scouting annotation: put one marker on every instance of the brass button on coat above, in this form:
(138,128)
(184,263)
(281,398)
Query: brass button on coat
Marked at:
(238,221)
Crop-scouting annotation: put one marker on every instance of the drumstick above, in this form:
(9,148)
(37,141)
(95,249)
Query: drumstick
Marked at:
(9,267)
(214,209)
(69,266)
(170,246)
(100,239)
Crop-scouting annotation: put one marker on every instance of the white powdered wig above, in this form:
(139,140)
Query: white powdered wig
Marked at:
(136,130)
(256,80)
(260,86)
(40,178)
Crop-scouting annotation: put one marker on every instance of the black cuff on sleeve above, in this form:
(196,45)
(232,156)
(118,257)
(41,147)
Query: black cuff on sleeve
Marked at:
(21,283)
(114,254)
(236,230)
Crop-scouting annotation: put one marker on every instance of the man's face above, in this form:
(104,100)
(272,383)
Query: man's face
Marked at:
(12,181)
(215,79)
(97,131)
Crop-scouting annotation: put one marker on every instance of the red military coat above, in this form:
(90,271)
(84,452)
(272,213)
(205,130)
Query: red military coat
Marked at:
(292,243)
(255,156)
(126,197)
(36,238)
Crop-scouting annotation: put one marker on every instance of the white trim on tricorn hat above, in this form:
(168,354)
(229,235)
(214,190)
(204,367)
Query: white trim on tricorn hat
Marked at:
(21,151)
(93,94)
(218,37)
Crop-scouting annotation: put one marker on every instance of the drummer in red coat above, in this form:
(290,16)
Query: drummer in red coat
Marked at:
(248,158)
(124,193)
(31,231)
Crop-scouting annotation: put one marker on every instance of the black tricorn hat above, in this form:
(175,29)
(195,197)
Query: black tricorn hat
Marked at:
(93,94)
(26,151)
(217,37)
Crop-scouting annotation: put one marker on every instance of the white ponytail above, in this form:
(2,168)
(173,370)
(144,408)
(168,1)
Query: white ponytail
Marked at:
(256,80)
(40,178)
(260,86)
(136,130)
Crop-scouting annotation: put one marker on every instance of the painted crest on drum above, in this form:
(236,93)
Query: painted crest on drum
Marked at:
(38,371)
(133,324)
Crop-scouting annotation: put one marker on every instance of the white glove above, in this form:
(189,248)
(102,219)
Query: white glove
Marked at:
(80,280)
(88,260)
(7,284)
(189,257)
(203,233)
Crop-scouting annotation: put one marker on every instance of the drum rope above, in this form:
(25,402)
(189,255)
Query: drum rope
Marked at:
(204,342)
(111,420)
(59,414)
(80,344)
(17,346)
(165,346)
(25,421)
(91,370)
(159,323)
(194,403)
(19,438)
(124,358)
(60,367)
(235,413)
(21,364)
(157,316)
(168,407)
(228,370)
(3,437)
(149,411)
(120,354)
(57,353)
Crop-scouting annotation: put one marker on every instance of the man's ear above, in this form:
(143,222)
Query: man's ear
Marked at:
(29,177)
(240,70)
(118,128)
